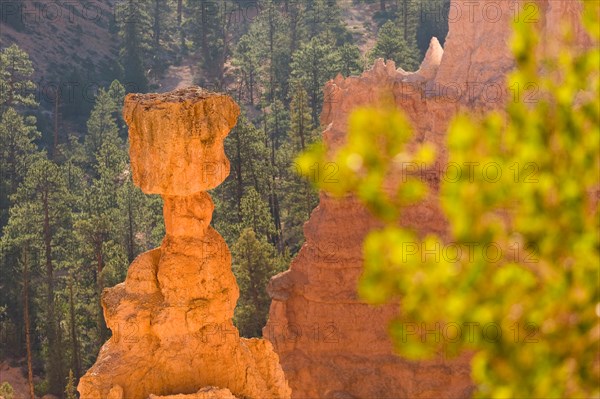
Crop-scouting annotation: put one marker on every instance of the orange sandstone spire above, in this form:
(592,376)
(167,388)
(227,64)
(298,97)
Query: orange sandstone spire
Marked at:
(172,317)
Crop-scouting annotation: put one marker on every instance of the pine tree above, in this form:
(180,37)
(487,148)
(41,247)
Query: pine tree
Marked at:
(247,150)
(255,261)
(93,227)
(270,35)
(433,22)
(17,150)
(42,212)
(323,18)
(350,60)
(97,222)
(71,388)
(102,124)
(26,316)
(256,214)
(409,12)
(204,24)
(161,18)
(246,60)
(314,64)
(116,92)
(139,225)
(17,153)
(276,123)
(211,29)
(298,197)
(391,45)
(301,126)
(180,27)
(75,353)
(296,18)
(132,31)
(16,86)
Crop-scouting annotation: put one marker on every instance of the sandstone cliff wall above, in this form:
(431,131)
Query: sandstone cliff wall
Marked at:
(331,344)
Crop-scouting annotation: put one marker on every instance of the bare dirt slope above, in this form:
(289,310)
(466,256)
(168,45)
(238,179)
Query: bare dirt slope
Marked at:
(62,36)
(16,378)
(359,19)
(178,76)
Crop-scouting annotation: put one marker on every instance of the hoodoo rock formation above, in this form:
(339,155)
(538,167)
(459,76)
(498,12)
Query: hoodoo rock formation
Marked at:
(331,344)
(171,319)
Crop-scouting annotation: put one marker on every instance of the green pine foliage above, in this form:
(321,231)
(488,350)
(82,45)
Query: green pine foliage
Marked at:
(71,388)
(313,64)
(393,45)
(18,135)
(80,222)
(255,262)
(16,87)
(133,24)
(40,220)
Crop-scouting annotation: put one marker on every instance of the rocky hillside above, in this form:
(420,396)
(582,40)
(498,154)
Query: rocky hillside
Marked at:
(62,36)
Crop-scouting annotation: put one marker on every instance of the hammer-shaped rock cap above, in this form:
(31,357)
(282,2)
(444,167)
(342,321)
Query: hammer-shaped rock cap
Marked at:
(176,139)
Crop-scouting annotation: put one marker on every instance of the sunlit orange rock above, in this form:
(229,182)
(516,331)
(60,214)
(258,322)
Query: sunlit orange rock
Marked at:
(331,344)
(172,317)
(204,393)
(176,140)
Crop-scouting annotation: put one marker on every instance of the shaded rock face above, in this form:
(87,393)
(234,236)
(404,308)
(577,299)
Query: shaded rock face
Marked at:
(172,317)
(330,343)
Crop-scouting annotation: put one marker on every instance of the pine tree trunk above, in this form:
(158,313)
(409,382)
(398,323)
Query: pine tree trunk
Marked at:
(308,207)
(271,56)
(27,323)
(223,50)
(203,24)
(56,104)
(180,25)
(156,24)
(274,200)
(74,341)
(238,172)
(251,88)
(54,339)
(100,286)
(301,124)
(314,102)
(406,8)
(294,29)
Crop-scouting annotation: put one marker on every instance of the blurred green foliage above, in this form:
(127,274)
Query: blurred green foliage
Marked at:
(518,284)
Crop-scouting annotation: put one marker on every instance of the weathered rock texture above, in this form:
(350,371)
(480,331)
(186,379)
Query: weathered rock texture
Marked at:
(330,343)
(204,393)
(172,317)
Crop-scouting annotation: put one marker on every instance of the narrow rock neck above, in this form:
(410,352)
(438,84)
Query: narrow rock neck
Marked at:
(187,217)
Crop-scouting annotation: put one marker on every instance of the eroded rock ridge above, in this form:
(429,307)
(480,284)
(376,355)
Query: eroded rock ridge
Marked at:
(331,344)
